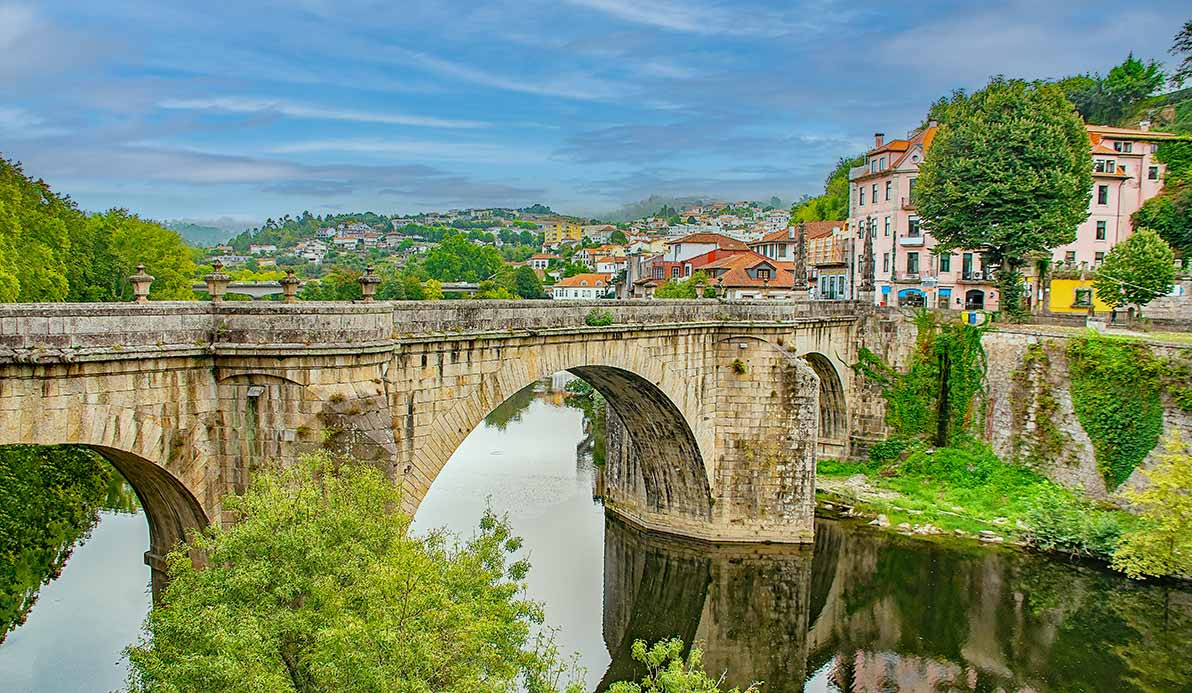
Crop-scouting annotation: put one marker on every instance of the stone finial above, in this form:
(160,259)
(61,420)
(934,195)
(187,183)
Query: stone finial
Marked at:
(217,282)
(140,284)
(720,287)
(800,270)
(867,265)
(289,287)
(369,282)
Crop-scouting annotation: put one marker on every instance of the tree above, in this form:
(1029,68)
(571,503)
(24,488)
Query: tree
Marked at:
(618,237)
(1162,544)
(1170,213)
(833,204)
(319,586)
(1108,100)
(685,288)
(1182,45)
(432,290)
(667,671)
(1010,176)
(1138,270)
(526,283)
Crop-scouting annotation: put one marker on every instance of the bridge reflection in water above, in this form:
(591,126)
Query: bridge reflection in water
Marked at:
(865,611)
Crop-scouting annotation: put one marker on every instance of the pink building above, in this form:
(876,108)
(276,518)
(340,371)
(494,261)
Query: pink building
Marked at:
(908,273)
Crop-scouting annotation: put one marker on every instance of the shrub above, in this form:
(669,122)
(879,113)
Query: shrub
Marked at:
(739,367)
(598,318)
(1058,521)
(887,450)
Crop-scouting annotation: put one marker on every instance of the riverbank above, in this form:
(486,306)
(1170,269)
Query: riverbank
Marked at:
(969,493)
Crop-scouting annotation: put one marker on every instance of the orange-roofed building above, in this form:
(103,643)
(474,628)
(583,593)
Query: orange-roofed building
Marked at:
(750,276)
(908,273)
(582,286)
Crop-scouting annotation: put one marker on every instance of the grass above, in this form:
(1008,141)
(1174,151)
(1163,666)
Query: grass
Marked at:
(966,489)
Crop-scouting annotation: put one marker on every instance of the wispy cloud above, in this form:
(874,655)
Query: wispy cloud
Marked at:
(574,86)
(416,149)
(234,104)
(692,17)
(19,124)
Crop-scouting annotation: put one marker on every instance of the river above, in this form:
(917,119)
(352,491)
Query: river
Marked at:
(859,611)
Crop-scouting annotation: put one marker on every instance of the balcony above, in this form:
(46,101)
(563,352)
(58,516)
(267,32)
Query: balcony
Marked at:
(908,203)
(975,277)
(910,241)
(906,277)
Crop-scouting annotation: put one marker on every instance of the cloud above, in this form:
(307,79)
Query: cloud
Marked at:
(296,110)
(418,149)
(701,17)
(574,86)
(147,165)
(19,124)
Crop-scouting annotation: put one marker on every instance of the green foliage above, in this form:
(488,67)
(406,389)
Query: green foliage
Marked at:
(832,205)
(618,237)
(739,367)
(1170,213)
(668,671)
(340,284)
(1107,100)
(941,394)
(319,586)
(49,497)
(457,259)
(1047,442)
(1116,385)
(1009,173)
(581,395)
(598,318)
(1059,521)
(685,288)
(1182,46)
(50,251)
(1162,543)
(1137,270)
(887,451)
(526,283)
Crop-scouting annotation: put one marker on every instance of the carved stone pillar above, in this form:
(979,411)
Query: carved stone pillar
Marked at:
(217,282)
(289,287)
(140,284)
(369,282)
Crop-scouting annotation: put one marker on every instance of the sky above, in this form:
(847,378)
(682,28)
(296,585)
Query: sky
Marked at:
(245,110)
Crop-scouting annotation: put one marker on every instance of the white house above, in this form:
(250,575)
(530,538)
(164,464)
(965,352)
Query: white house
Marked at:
(581,286)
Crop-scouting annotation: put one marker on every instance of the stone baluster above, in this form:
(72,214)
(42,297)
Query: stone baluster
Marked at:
(369,282)
(289,287)
(217,282)
(140,284)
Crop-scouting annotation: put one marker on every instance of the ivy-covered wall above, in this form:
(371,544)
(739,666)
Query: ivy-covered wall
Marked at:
(1088,411)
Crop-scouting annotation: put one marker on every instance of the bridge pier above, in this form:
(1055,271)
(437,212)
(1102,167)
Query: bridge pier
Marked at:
(722,403)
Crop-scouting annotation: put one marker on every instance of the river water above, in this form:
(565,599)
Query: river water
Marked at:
(859,611)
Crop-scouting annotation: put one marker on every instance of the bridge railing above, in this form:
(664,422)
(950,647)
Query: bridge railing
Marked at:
(130,329)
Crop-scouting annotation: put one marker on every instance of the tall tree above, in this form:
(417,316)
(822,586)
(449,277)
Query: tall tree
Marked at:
(1182,46)
(1137,270)
(1170,213)
(1009,176)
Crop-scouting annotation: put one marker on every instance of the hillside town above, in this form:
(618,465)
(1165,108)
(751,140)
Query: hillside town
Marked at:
(745,250)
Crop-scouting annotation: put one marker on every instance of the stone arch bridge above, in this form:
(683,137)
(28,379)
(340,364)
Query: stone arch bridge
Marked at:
(726,405)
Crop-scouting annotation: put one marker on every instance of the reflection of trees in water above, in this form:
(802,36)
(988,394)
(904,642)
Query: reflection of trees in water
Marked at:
(891,611)
(584,397)
(511,410)
(49,500)
(884,612)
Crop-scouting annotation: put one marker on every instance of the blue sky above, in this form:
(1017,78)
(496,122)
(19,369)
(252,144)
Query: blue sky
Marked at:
(252,109)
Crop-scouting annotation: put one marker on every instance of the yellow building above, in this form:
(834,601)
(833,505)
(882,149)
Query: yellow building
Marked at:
(557,230)
(1074,295)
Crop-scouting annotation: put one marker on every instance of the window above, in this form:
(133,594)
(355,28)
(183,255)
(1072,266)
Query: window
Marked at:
(1082,298)
(1117,146)
(1154,148)
(1070,257)
(763,274)
(873,165)
(674,272)
(1104,165)
(1098,258)
(881,164)
(862,189)
(875,193)
(687,270)
(1152,173)
(889,189)
(912,263)
(912,227)
(946,263)
(1127,146)
(887,226)
(1102,194)
(966,265)
(1101,230)
(885,262)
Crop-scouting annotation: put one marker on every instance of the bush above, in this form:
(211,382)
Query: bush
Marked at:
(887,450)
(669,672)
(598,318)
(1059,521)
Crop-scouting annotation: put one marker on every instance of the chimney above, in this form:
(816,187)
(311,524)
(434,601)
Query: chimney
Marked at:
(1144,125)
(933,123)
(877,139)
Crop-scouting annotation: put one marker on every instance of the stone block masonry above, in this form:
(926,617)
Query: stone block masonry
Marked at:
(720,401)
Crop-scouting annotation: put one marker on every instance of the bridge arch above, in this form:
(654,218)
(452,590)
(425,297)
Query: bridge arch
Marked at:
(833,414)
(670,474)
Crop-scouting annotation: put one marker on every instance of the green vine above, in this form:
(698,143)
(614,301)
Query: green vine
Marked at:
(1116,385)
(1031,395)
(941,396)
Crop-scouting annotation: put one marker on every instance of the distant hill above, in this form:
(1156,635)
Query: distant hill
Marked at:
(651,205)
(1170,112)
(201,235)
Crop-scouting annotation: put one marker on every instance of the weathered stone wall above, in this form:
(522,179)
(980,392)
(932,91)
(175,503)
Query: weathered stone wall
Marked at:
(1030,417)
(189,398)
